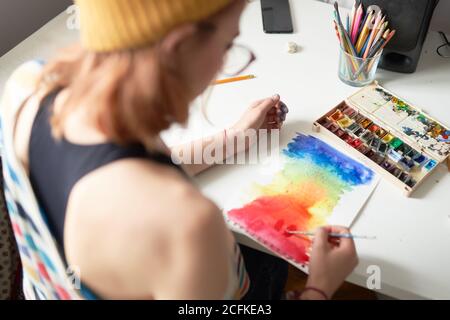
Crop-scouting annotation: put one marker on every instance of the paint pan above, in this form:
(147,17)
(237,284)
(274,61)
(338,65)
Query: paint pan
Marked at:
(363,149)
(383,148)
(367,136)
(366,123)
(337,115)
(394,156)
(388,138)
(396,143)
(345,122)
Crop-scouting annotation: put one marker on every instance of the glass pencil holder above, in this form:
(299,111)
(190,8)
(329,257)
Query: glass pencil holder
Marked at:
(357,71)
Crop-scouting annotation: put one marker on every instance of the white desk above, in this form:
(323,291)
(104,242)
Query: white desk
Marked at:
(413,246)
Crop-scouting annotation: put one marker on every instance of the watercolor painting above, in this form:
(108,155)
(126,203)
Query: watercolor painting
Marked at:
(315,185)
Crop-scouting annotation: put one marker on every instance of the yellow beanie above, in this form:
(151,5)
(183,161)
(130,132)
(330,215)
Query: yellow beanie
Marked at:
(109,25)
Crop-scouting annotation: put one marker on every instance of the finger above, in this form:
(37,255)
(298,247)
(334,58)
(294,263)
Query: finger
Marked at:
(338,229)
(273,111)
(260,101)
(257,103)
(346,244)
(321,238)
(268,103)
(334,241)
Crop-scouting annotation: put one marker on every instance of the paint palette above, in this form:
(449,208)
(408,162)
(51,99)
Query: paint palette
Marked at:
(393,137)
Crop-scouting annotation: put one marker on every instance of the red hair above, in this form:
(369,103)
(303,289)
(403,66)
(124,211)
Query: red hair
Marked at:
(132,95)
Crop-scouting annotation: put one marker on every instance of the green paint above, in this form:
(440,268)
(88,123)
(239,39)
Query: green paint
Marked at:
(396,143)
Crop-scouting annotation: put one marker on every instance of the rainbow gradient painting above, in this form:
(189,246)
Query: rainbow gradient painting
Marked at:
(315,185)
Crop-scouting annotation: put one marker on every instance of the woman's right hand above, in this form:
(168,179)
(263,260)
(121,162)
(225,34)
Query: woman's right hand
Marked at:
(331,261)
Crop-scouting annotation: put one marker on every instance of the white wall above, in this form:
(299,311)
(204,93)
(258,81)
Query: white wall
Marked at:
(20,18)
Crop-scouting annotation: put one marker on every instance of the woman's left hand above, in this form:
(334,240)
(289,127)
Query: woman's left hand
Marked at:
(269,113)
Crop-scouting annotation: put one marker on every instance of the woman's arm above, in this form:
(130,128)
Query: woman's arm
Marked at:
(195,157)
(331,262)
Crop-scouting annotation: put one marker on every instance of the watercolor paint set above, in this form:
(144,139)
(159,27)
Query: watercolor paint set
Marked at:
(396,139)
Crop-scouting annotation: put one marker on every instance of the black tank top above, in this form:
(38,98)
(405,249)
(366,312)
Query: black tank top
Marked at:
(57,165)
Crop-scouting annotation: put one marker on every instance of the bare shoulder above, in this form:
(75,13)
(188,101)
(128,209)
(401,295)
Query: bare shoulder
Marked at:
(22,81)
(139,185)
(137,219)
(20,102)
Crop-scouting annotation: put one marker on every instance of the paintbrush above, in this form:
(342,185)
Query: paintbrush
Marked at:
(344,36)
(331,235)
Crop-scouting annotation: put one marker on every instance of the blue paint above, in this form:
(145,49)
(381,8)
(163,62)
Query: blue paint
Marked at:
(421,159)
(430,165)
(323,155)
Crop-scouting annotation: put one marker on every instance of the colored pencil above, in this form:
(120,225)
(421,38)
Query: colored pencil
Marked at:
(234,79)
(344,34)
(364,33)
(358,16)
(348,23)
(377,32)
(338,15)
(377,49)
(363,49)
(363,23)
(363,36)
(372,35)
(352,18)
(380,33)
(382,42)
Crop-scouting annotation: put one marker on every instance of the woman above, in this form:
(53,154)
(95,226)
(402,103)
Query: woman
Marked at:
(116,205)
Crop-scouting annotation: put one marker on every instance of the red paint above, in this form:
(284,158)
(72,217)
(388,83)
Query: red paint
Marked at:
(349,139)
(268,219)
(278,225)
(356,143)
